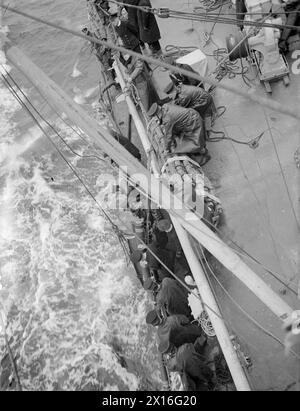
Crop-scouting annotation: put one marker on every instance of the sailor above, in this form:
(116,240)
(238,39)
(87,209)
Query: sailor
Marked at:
(181,77)
(191,97)
(184,131)
(173,331)
(181,267)
(148,28)
(157,268)
(127,31)
(171,297)
(195,372)
(137,70)
(241,11)
(146,24)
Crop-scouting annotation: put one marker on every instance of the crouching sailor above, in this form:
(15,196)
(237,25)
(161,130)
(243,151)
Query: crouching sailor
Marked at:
(191,97)
(184,131)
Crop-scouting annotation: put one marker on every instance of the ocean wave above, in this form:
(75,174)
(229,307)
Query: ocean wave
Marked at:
(74,309)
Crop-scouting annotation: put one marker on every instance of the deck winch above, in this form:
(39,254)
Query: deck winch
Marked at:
(261,44)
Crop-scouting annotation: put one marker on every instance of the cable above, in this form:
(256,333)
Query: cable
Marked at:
(281,170)
(113,225)
(243,253)
(68,164)
(10,353)
(49,124)
(257,324)
(261,100)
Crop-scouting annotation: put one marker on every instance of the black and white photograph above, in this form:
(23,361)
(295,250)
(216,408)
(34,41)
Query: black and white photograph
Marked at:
(149,198)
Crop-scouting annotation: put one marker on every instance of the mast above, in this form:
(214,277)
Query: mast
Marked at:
(161,195)
(237,372)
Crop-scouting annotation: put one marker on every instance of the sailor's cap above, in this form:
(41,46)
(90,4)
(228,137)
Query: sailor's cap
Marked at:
(153,110)
(136,256)
(152,317)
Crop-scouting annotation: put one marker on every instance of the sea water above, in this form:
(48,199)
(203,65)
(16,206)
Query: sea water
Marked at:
(74,310)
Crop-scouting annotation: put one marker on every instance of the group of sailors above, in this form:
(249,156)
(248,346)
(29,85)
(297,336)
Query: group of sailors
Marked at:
(166,275)
(181,341)
(182,114)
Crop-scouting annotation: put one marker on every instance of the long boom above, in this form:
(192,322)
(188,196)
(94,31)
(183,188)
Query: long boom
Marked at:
(158,191)
(182,217)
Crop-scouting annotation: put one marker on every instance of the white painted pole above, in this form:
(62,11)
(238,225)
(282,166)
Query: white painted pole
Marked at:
(136,118)
(159,192)
(236,265)
(236,370)
(207,296)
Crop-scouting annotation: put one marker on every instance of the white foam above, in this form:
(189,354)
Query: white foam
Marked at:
(76,73)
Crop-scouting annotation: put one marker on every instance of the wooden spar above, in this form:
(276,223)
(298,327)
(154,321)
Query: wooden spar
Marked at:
(237,372)
(159,192)
(230,354)
(222,252)
(137,120)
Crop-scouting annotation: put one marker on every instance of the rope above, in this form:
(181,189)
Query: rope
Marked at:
(115,228)
(255,322)
(253,143)
(261,207)
(242,253)
(114,225)
(261,100)
(282,171)
(9,351)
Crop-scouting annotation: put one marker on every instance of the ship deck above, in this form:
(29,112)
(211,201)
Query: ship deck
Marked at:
(259,190)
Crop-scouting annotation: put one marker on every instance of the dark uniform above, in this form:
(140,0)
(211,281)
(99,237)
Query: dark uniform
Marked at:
(129,35)
(166,256)
(193,97)
(172,299)
(176,331)
(148,28)
(195,373)
(184,130)
(241,9)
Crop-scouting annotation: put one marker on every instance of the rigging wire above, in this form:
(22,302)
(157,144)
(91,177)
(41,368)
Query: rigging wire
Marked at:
(264,330)
(9,350)
(165,12)
(49,124)
(260,206)
(250,318)
(114,226)
(243,253)
(281,169)
(263,101)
